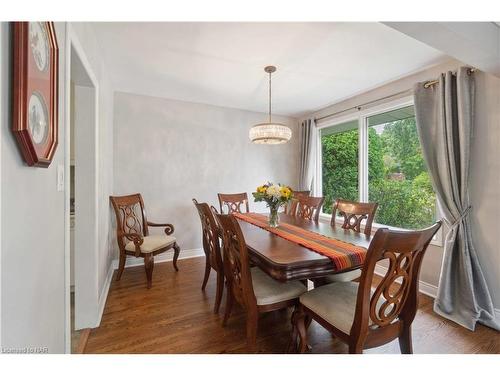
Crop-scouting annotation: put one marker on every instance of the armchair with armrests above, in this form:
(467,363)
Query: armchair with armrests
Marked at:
(132,234)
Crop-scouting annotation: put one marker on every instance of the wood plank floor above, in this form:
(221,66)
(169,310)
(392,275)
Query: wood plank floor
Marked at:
(175,316)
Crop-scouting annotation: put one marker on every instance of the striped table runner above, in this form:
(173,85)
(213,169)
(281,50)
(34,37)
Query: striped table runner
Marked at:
(344,255)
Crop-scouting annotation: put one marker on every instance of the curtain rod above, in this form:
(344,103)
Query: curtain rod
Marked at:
(433,82)
(358,107)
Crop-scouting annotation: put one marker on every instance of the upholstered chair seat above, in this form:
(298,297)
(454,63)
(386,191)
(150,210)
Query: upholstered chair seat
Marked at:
(268,291)
(335,303)
(152,243)
(343,276)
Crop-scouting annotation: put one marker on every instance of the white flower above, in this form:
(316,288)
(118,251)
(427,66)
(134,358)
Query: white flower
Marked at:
(274,191)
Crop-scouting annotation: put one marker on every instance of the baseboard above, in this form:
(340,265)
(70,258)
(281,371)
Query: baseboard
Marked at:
(423,287)
(165,257)
(104,294)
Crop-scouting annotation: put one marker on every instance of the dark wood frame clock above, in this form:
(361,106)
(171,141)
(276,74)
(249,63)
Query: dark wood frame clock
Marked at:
(35,91)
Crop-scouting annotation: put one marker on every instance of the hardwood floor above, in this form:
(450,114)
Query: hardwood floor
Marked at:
(175,316)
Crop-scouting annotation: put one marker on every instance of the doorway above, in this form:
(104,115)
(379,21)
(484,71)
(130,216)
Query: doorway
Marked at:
(82,189)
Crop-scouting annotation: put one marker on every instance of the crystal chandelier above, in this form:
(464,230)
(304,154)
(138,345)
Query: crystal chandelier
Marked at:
(271,133)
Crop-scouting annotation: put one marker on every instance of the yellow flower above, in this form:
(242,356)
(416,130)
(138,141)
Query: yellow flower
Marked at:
(261,189)
(286,192)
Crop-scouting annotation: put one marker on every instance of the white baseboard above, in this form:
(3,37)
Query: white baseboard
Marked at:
(165,257)
(423,287)
(104,294)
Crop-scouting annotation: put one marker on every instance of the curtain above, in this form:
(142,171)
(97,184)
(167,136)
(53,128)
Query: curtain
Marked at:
(445,119)
(307,154)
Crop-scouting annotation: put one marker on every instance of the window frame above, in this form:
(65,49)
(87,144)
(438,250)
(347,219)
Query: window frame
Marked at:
(361,116)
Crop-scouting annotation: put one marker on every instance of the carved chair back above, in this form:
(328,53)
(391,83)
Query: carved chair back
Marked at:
(292,206)
(130,217)
(308,207)
(210,235)
(236,261)
(353,214)
(379,314)
(233,202)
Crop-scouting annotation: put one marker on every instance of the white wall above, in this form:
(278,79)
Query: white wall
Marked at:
(93,52)
(172,151)
(485,169)
(84,252)
(32,213)
(32,219)
(485,180)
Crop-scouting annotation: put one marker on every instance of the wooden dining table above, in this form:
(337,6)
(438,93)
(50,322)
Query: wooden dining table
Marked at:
(284,260)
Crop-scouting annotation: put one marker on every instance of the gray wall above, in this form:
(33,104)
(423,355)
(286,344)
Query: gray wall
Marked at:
(173,151)
(32,219)
(485,169)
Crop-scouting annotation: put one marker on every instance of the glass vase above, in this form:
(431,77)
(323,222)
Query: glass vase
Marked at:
(274,217)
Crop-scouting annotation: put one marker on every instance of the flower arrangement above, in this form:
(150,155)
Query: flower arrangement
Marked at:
(275,195)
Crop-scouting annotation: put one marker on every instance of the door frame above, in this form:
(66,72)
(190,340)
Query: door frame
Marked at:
(72,43)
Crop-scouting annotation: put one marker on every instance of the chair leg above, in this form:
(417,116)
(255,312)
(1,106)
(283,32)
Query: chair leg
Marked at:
(208,268)
(177,250)
(121,266)
(220,290)
(405,342)
(307,321)
(229,305)
(292,344)
(355,348)
(149,265)
(252,323)
(302,330)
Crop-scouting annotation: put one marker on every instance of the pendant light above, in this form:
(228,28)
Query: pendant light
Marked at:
(270,133)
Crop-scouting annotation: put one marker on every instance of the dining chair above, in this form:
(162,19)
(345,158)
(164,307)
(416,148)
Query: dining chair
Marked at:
(307,208)
(353,214)
(291,206)
(132,234)
(366,317)
(253,289)
(233,202)
(211,247)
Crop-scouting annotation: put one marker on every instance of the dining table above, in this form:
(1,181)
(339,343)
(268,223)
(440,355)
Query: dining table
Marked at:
(285,260)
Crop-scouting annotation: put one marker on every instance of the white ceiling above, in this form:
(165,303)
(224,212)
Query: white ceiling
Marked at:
(222,63)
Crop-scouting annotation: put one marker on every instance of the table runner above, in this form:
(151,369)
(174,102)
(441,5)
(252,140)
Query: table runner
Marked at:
(344,255)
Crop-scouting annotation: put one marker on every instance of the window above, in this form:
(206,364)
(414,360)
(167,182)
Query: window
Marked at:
(340,163)
(377,157)
(397,175)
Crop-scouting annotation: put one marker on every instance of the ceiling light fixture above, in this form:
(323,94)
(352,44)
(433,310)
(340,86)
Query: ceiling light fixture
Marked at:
(270,133)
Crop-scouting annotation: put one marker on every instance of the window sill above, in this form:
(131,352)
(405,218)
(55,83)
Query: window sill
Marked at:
(438,241)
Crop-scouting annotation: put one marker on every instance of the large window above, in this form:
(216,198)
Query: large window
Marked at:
(377,157)
(340,163)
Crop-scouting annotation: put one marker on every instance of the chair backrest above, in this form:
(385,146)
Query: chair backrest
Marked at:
(395,299)
(130,216)
(308,207)
(292,206)
(210,235)
(236,261)
(354,213)
(233,202)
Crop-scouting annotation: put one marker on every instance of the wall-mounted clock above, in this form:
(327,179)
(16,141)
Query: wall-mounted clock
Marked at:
(35,95)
